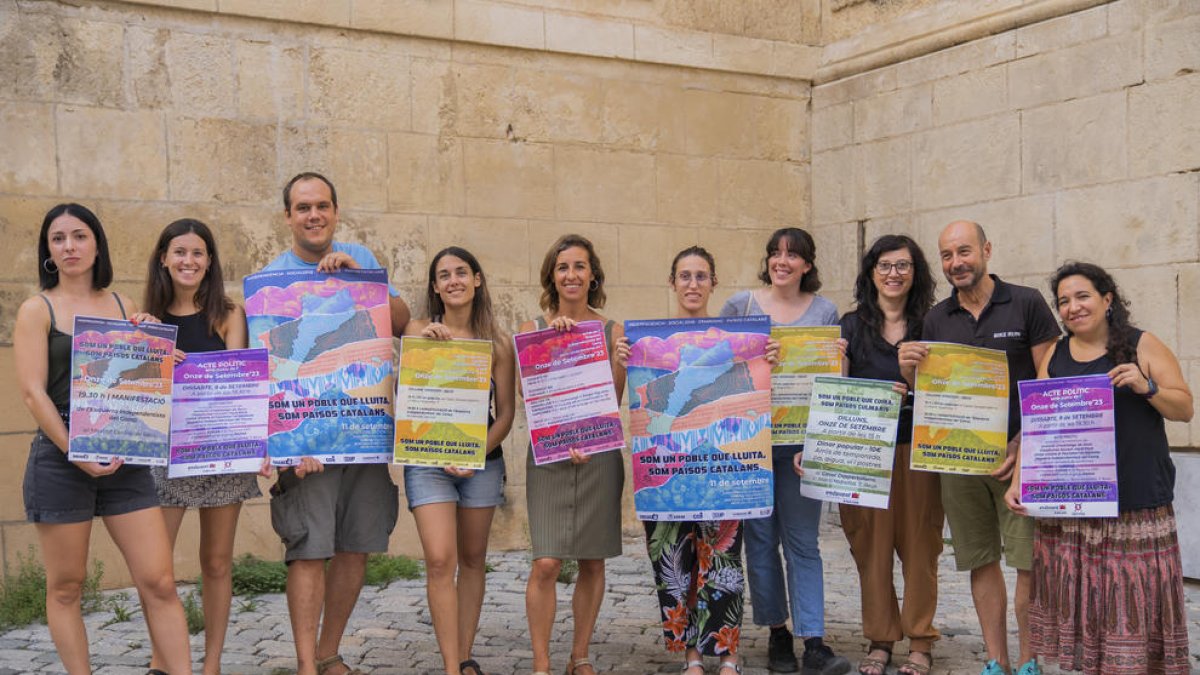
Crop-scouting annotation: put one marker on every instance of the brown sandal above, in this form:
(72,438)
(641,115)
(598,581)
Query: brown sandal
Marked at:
(910,667)
(873,666)
(328,662)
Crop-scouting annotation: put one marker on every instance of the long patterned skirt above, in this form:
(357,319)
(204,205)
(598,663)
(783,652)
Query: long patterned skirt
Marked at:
(698,572)
(1107,594)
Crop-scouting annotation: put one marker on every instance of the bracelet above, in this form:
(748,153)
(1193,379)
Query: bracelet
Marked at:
(1152,388)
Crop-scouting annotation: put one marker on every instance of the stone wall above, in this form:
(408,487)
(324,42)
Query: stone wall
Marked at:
(1075,137)
(149,113)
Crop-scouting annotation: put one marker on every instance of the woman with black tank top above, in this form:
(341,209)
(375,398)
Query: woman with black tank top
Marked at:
(453,507)
(185,288)
(1108,592)
(574,506)
(62,497)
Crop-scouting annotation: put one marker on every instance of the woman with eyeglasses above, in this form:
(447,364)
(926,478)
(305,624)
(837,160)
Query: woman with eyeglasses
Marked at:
(893,292)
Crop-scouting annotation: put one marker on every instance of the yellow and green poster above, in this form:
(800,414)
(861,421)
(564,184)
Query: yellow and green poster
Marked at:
(442,402)
(804,353)
(960,415)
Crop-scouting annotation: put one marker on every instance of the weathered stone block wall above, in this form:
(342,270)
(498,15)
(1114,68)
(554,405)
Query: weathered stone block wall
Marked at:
(151,113)
(1072,138)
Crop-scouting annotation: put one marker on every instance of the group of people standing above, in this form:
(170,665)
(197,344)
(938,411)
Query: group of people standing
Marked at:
(1097,595)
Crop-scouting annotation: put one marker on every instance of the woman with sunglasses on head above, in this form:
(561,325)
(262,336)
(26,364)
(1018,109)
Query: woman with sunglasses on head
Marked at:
(185,287)
(894,290)
(62,497)
(789,297)
(574,506)
(453,507)
(1107,593)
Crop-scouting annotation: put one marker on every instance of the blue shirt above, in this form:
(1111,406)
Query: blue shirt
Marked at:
(288,260)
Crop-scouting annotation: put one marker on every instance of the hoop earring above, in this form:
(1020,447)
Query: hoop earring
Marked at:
(46,266)
(595,285)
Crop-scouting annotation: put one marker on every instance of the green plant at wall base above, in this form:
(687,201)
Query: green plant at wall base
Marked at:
(255,576)
(23,593)
(384,569)
(193,612)
(568,571)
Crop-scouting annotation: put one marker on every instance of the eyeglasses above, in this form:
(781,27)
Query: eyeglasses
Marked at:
(686,278)
(902,267)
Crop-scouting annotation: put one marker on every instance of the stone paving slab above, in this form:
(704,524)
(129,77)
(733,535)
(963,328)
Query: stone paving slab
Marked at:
(390,631)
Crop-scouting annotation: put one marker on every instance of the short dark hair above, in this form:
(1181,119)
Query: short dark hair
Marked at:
(306,175)
(699,252)
(596,296)
(802,243)
(102,269)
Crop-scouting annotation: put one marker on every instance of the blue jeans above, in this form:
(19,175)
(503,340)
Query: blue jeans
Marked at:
(794,524)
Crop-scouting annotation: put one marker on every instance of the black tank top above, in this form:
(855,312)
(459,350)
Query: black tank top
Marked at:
(1145,472)
(193,333)
(58,363)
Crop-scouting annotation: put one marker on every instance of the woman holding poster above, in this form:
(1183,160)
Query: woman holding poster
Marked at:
(1108,593)
(185,288)
(453,507)
(893,292)
(62,497)
(574,506)
(697,565)
(790,298)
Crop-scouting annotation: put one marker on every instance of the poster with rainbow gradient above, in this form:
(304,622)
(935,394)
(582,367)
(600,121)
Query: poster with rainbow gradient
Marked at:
(700,418)
(442,399)
(570,399)
(960,413)
(121,391)
(804,353)
(329,337)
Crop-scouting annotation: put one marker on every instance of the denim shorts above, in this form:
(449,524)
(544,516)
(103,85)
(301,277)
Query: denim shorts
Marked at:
(432,485)
(56,491)
(350,508)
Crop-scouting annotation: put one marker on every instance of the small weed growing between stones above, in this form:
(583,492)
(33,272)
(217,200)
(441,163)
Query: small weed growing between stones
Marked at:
(194,613)
(568,571)
(115,603)
(249,604)
(23,594)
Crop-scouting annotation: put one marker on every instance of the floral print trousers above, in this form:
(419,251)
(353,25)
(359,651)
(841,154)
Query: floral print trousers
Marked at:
(698,572)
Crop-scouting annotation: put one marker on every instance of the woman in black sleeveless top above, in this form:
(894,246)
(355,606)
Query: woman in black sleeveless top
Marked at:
(185,287)
(63,497)
(1108,593)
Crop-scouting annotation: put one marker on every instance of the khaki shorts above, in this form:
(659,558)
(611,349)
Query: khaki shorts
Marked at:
(347,507)
(981,526)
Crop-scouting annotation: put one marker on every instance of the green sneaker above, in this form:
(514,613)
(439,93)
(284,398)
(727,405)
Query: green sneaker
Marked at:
(992,668)
(1030,668)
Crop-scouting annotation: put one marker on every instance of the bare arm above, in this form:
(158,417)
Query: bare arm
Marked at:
(400,315)
(504,361)
(1041,354)
(1174,398)
(31,352)
(235,328)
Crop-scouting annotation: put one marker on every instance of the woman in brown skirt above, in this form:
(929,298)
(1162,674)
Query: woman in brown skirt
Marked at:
(574,506)
(1108,592)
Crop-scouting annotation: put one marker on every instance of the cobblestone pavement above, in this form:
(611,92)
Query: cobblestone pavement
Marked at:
(390,631)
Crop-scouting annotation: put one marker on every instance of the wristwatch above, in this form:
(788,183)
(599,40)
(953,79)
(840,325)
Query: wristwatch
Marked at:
(1152,388)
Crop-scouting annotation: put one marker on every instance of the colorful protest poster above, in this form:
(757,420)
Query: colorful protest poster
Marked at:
(851,441)
(121,391)
(219,413)
(804,353)
(1068,447)
(700,418)
(442,401)
(329,337)
(570,399)
(960,415)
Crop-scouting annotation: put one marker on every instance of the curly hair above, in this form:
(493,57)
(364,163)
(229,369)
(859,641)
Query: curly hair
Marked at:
(1120,347)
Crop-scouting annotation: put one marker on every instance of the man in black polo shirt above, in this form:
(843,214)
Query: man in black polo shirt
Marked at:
(984,311)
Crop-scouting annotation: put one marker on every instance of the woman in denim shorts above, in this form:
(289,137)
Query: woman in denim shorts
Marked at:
(453,507)
(62,497)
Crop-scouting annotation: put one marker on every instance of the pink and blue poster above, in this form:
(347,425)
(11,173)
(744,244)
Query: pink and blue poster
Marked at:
(700,418)
(219,413)
(1068,447)
(121,391)
(570,400)
(329,338)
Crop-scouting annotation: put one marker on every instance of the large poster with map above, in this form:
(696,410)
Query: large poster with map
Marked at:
(121,391)
(330,346)
(700,418)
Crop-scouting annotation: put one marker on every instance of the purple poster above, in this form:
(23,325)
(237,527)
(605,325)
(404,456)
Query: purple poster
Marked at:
(219,413)
(1068,448)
